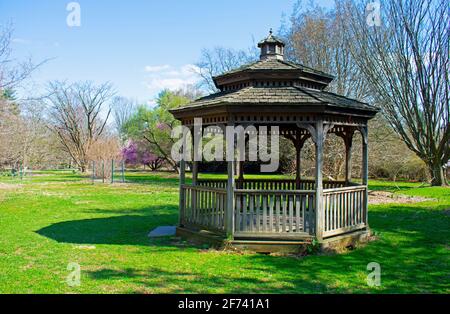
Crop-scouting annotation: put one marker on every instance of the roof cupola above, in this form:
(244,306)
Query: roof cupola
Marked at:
(271,47)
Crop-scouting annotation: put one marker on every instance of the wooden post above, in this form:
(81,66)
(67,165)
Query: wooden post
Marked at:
(365,170)
(103,171)
(194,172)
(348,156)
(319,139)
(194,169)
(182,182)
(240,180)
(347,136)
(230,199)
(298,151)
(229,221)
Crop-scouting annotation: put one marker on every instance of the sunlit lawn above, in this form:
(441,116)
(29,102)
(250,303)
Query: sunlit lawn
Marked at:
(55,218)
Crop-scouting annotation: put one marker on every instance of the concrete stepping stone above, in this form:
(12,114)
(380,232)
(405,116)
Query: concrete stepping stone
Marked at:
(162,231)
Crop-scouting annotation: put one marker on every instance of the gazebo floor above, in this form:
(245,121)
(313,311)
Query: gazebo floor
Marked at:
(284,243)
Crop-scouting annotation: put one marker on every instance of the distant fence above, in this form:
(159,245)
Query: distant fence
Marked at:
(19,171)
(107,171)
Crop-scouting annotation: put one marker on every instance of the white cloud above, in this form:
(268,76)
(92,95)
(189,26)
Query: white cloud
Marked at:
(156,68)
(161,77)
(21,41)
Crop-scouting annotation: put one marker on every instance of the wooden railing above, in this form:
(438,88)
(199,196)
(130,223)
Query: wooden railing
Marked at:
(204,207)
(275,212)
(270,184)
(344,210)
(271,212)
(213,183)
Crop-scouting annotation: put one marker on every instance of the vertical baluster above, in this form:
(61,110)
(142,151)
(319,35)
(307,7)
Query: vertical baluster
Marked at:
(361,204)
(238,212)
(244,213)
(312,214)
(284,201)
(207,212)
(349,210)
(200,207)
(291,212)
(303,212)
(330,211)
(352,206)
(222,212)
(208,218)
(224,207)
(221,207)
(357,207)
(277,212)
(264,213)
(214,210)
(361,219)
(342,196)
(211,208)
(306,214)
(217,216)
(258,212)
(298,207)
(271,209)
(190,204)
(338,210)
(194,205)
(333,211)
(251,205)
(327,212)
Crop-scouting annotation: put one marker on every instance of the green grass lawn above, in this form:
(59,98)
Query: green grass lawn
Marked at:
(56,218)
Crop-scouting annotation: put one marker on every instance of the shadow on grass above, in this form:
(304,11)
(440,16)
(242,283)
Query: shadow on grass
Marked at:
(158,279)
(412,251)
(131,228)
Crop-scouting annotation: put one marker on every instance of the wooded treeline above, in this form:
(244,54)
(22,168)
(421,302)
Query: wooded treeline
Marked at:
(400,65)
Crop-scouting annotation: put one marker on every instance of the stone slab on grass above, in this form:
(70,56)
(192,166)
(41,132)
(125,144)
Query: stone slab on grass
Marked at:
(162,231)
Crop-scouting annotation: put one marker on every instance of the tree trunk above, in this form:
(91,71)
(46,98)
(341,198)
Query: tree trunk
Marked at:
(437,174)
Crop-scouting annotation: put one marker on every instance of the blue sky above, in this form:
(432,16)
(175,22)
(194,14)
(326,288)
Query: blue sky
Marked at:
(139,46)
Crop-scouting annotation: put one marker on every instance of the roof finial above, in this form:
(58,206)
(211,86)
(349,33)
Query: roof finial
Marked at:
(270,31)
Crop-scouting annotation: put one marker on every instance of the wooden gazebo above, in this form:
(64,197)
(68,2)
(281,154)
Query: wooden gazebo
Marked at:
(274,214)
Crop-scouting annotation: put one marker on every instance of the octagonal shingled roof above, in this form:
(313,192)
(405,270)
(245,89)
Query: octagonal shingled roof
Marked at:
(271,65)
(278,96)
(272,82)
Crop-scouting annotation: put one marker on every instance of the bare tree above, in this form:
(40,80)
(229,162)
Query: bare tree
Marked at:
(76,116)
(20,126)
(406,62)
(316,37)
(122,110)
(219,60)
(12,72)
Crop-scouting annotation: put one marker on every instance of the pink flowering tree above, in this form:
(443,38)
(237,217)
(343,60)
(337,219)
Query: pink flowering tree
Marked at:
(136,153)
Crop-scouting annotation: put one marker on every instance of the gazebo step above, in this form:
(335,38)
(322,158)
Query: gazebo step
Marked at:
(272,246)
(295,236)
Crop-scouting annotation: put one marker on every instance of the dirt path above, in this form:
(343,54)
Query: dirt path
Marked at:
(383,197)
